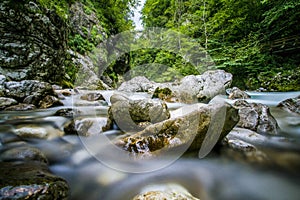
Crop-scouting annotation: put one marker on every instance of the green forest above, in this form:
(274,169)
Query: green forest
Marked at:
(255,40)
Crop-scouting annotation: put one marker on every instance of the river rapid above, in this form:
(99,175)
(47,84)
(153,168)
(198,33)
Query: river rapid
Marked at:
(217,176)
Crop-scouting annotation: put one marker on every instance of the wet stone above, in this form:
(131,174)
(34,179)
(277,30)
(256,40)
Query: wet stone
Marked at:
(50,101)
(95,96)
(6,102)
(256,117)
(291,105)
(21,107)
(23,153)
(30,180)
(67,112)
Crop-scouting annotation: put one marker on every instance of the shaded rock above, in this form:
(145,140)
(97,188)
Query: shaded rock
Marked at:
(56,87)
(94,96)
(118,97)
(256,117)
(49,101)
(33,42)
(236,93)
(291,105)
(190,129)
(30,180)
(138,84)
(20,90)
(6,102)
(21,107)
(23,153)
(135,114)
(33,99)
(2,79)
(87,78)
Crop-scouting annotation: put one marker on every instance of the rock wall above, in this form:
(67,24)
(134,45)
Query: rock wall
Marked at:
(33,42)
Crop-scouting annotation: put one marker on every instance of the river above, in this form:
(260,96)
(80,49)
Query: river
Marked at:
(216,176)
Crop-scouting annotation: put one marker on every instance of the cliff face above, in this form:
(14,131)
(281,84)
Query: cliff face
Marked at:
(33,42)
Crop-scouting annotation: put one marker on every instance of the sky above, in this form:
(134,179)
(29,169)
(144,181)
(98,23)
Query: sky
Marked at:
(137,15)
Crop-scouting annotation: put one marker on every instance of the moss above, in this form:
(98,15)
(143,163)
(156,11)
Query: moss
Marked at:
(162,93)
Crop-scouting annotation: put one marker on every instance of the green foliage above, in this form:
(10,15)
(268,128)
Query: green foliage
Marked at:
(238,35)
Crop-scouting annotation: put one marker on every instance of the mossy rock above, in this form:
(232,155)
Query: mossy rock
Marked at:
(162,93)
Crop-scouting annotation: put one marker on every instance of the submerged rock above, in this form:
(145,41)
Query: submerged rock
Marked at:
(23,153)
(30,180)
(134,115)
(256,117)
(291,105)
(241,149)
(236,93)
(190,129)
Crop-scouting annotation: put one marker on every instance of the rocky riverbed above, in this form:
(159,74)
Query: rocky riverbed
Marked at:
(145,140)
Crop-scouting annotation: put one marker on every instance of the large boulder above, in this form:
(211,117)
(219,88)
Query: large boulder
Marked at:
(256,117)
(134,115)
(291,105)
(138,84)
(204,87)
(188,126)
(190,89)
(33,42)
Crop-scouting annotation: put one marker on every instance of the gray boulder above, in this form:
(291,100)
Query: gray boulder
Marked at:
(256,117)
(134,115)
(138,84)
(204,87)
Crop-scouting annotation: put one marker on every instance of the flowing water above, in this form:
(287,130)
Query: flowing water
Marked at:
(215,177)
